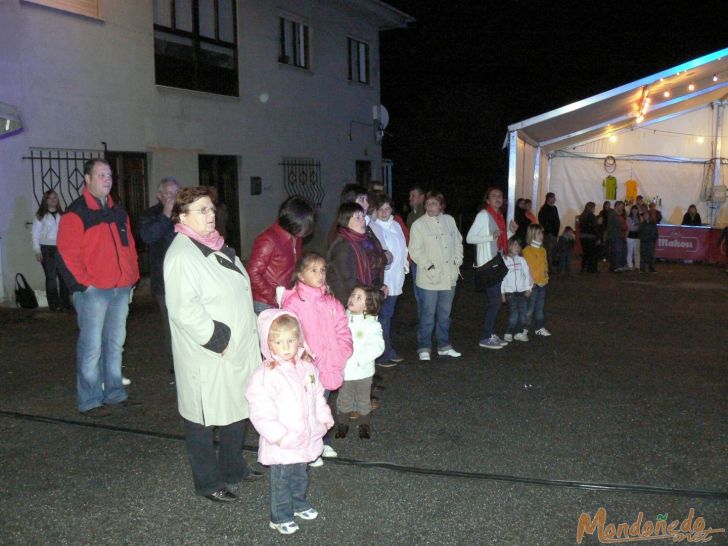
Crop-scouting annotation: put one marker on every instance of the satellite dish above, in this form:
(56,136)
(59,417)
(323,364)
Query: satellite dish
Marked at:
(380,114)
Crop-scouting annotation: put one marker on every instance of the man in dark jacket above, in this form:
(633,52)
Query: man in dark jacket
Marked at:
(98,261)
(157,231)
(548,217)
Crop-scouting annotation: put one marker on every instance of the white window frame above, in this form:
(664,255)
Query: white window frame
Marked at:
(360,68)
(294,41)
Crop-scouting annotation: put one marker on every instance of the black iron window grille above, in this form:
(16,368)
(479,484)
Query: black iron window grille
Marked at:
(303,177)
(59,170)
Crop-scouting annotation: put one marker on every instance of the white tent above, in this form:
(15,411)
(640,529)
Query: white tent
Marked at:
(665,131)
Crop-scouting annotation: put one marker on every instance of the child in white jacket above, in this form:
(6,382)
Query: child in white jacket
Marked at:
(366,333)
(289,411)
(516,289)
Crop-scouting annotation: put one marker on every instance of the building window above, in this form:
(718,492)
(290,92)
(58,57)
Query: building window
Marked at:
(358,61)
(196,45)
(302,176)
(90,8)
(294,43)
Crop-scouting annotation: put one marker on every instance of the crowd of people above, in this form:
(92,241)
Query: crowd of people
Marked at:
(278,340)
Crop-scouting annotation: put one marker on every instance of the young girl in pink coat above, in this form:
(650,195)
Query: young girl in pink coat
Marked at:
(289,411)
(324,323)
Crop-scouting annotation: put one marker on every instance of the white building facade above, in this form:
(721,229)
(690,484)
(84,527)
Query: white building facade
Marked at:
(261,99)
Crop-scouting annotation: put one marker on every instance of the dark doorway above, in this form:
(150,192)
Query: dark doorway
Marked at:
(129,170)
(363,173)
(221,171)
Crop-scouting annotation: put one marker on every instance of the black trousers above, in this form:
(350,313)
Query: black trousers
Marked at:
(212,470)
(56,290)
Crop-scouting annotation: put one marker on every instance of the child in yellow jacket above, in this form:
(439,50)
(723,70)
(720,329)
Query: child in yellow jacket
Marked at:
(535,255)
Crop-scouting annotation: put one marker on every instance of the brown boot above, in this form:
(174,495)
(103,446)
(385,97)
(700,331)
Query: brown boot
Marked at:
(341,430)
(364,432)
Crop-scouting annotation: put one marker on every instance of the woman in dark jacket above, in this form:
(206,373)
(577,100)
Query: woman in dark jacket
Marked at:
(522,220)
(588,233)
(355,256)
(692,217)
(276,250)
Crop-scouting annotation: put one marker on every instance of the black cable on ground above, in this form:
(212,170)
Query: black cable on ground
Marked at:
(589,486)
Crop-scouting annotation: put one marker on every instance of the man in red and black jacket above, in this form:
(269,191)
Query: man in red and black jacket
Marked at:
(98,261)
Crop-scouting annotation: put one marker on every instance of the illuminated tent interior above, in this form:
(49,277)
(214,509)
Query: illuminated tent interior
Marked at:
(9,120)
(665,131)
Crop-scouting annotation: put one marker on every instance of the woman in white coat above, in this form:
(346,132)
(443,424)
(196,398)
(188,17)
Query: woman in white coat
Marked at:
(436,246)
(45,231)
(214,344)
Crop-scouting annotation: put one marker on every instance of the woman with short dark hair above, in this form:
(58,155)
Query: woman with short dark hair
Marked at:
(214,344)
(276,250)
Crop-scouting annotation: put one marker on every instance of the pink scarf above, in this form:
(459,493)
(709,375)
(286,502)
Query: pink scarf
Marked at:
(213,241)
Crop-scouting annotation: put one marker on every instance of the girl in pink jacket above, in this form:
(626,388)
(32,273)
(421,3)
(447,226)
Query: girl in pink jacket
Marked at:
(324,324)
(289,411)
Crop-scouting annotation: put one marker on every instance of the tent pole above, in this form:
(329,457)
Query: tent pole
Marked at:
(536,175)
(548,175)
(512,162)
(716,155)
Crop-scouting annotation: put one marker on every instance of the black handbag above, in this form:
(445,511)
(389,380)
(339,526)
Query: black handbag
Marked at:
(490,273)
(24,294)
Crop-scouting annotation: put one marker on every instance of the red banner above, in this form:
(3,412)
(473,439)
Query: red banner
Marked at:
(683,243)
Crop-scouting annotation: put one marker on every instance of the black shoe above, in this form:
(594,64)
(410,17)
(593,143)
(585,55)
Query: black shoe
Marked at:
(222,495)
(253,476)
(364,432)
(341,430)
(128,403)
(98,412)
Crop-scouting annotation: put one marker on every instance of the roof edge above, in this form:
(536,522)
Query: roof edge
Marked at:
(393,17)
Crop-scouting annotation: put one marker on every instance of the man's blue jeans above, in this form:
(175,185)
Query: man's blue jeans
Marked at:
(102,324)
(434,311)
(493,305)
(415,289)
(386,312)
(535,305)
(288,485)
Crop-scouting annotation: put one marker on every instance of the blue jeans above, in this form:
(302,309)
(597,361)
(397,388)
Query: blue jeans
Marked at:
(493,293)
(434,313)
(535,305)
(288,485)
(617,253)
(415,289)
(517,319)
(386,311)
(102,324)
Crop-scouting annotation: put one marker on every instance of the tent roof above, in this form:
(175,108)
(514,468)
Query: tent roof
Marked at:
(639,103)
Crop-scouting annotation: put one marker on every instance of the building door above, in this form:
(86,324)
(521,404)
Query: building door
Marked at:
(221,171)
(129,170)
(363,173)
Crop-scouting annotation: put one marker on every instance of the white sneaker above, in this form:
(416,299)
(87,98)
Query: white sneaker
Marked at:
(318,462)
(125,381)
(309,514)
(521,337)
(508,337)
(424,355)
(542,332)
(329,452)
(450,352)
(287,528)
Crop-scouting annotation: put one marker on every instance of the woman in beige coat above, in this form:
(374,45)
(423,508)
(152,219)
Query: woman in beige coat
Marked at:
(214,343)
(436,246)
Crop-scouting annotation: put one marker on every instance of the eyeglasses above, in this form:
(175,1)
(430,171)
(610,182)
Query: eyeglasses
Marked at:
(204,210)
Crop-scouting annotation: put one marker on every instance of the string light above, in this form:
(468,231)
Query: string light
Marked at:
(700,140)
(613,138)
(691,87)
(666,94)
(715,77)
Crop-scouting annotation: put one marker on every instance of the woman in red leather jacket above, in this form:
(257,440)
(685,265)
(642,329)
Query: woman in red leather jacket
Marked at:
(276,250)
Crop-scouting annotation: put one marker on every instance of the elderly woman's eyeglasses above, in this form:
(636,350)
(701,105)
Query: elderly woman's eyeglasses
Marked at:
(204,210)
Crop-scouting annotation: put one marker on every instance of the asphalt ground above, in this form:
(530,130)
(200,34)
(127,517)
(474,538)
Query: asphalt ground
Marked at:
(630,389)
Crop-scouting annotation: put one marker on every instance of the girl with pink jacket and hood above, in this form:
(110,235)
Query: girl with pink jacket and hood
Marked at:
(289,411)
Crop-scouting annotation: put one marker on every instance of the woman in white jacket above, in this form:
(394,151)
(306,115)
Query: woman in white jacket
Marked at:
(390,234)
(436,246)
(45,230)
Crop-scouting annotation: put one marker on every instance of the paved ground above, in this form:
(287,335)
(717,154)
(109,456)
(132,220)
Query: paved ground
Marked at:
(630,389)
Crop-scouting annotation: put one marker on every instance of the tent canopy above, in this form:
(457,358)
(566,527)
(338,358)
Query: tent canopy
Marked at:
(655,98)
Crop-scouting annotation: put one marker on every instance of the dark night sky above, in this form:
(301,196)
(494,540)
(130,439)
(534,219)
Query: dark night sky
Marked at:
(455,79)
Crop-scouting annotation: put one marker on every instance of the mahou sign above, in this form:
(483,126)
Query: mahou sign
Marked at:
(683,243)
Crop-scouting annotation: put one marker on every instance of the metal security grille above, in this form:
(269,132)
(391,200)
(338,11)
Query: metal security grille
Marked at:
(59,170)
(303,177)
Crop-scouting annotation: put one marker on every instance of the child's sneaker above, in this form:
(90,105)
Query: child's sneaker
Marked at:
(521,336)
(329,452)
(309,514)
(424,355)
(318,462)
(508,338)
(287,528)
(499,340)
(543,332)
(493,342)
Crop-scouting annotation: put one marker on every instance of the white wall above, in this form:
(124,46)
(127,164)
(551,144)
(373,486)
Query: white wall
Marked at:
(77,82)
